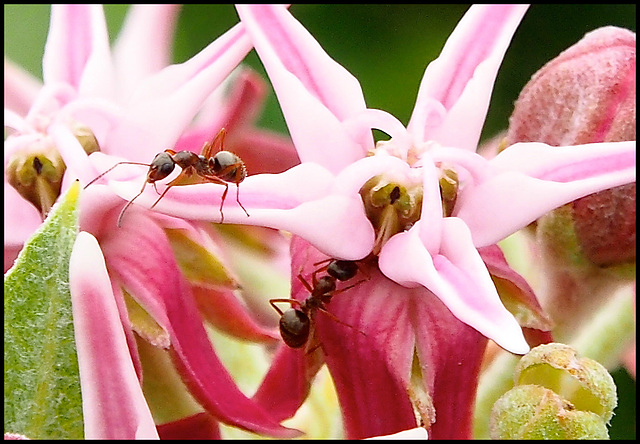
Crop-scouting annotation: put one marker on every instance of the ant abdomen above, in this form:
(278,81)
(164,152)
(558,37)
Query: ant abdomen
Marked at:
(294,328)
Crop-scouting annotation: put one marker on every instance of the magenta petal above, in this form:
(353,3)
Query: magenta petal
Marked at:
(308,82)
(462,78)
(457,276)
(371,373)
(287,383)
(151,274)
(113,404)
(532,179)
(198,426)
(451,352)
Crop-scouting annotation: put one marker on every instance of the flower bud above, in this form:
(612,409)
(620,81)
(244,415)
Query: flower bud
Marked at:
(586,95)
(557,396)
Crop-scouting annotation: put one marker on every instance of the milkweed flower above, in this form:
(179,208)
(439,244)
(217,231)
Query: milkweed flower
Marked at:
(97,107)
(433,202)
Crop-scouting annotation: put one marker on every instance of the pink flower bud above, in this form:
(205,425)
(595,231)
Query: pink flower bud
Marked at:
(585,95)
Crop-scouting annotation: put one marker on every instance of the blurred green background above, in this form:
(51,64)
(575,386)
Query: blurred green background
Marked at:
(387,47)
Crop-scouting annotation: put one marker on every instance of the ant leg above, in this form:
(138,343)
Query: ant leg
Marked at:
(290,301)
(224,196)
(305,283)
(161,196)
(119,223)
(238,199)
(336,319)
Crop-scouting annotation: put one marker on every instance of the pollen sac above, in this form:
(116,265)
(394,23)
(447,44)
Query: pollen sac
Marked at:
(87,139)
(37,175)
(391,207)
(448,190)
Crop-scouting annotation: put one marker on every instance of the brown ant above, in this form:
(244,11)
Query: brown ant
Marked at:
(295,323)
(222,168)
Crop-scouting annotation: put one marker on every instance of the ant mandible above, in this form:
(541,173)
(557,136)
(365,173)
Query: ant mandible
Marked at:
(222,168)
(295,323)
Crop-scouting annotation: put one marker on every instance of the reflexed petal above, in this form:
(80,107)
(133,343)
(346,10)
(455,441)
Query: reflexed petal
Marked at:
(457,276)
(450,354)
(308,82)
(371,372)
(462,78)
(113,404)
(534,178)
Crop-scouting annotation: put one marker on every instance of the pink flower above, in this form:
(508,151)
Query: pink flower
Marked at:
(432,202)
(128,104)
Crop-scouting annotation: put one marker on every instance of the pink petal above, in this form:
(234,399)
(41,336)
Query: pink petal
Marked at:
(457,276)
(144,43)
(308,82)
(113,404)
(152,276)
(462,78)
(151,120)
(298,201)
(533,178)
(20,88)
(77,50)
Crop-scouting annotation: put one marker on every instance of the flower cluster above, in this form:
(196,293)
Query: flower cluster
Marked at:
(404,230)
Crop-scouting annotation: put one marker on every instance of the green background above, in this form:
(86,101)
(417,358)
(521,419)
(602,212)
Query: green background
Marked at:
(387,47)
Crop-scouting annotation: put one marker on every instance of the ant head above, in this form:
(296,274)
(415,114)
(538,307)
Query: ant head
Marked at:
(161,166)
(229,167)
(342,270)
(294,328)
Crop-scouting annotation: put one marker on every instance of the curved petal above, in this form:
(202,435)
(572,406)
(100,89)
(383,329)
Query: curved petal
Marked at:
(113,403)
(531,179)
(316,93)
(457,276)
(77,50)
(144,44)
(165,104)
(462,77)
(152,277)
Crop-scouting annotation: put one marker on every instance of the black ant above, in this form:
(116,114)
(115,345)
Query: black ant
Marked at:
(295,323)
(222,168)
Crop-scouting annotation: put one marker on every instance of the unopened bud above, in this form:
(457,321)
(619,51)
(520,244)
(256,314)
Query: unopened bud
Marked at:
(587,95)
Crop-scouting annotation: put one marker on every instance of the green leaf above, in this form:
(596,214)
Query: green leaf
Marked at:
(42,398)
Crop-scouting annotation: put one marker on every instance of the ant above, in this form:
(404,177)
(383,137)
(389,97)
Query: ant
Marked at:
(222,168)
(295,323)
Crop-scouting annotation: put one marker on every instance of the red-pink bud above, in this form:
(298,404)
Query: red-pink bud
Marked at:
(585,95)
